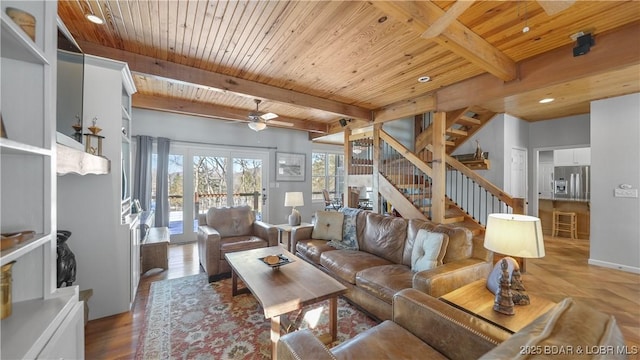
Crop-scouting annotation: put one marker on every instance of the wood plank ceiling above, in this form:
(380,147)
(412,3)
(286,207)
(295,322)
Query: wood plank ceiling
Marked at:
(315,62)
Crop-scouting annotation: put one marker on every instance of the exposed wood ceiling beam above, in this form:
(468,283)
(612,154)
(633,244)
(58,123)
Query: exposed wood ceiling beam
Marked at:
(187,74)
(187,107)
(445,20)
(411,107)
(614,50)
(457,38)
(335,126)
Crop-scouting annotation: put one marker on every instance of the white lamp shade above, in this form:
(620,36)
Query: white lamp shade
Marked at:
(293,199)
(514,235)
(257,126)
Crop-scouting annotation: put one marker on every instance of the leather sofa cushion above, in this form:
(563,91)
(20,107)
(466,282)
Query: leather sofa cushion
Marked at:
(345,264)
(387,340)
(384,236)
(460,242)
(240,243)
(384,281)
(234,221)
(312,249)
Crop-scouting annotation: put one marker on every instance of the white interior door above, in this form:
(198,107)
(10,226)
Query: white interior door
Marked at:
(519,173)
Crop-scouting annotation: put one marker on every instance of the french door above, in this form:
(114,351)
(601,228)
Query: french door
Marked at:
(213,178)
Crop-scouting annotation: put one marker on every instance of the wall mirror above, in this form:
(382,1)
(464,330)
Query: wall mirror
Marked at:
(70,79)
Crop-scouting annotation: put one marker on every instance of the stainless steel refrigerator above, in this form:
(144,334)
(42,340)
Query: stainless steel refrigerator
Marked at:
(572,182)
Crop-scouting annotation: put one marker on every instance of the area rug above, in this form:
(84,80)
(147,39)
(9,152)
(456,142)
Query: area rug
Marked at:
(188,318)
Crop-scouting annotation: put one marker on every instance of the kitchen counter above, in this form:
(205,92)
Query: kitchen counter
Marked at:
(581,207)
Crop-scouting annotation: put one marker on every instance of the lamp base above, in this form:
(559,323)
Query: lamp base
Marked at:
(294,218)
(504,298)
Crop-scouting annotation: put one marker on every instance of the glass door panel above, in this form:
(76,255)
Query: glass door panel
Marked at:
(247,184)
(210,183)
(176,194)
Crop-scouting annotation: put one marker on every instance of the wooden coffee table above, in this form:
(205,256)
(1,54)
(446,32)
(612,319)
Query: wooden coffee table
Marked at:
(477,300)
(286,289)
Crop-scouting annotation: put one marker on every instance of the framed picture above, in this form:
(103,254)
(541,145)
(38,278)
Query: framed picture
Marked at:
(290,166)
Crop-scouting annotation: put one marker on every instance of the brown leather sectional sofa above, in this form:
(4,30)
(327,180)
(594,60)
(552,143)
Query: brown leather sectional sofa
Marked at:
(424,327)
(382,265)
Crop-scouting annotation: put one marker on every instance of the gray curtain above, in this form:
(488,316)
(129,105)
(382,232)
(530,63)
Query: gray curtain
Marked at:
(162,184)
(142,180)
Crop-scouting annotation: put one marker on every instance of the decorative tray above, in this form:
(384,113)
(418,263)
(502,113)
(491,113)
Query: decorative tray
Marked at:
(275,261)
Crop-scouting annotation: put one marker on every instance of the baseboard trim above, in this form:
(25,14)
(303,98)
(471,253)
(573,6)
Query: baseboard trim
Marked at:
(631,269)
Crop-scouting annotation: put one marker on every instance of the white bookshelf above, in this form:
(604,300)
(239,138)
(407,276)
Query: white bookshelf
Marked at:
(44,319)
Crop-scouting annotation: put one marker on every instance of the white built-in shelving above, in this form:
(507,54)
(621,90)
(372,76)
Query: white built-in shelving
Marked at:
(45,321)
(96,209)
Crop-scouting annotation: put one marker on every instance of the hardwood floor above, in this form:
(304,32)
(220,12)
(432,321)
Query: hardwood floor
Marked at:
(561,273)
(116,337)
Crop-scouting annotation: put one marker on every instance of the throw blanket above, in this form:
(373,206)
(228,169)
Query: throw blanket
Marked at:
(349,239)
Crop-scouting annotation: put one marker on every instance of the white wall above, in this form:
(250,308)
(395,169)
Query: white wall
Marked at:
(197,129)
(615,160)
(491,138)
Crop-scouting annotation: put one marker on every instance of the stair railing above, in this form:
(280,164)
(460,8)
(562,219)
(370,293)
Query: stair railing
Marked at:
(465,188)
(475,195)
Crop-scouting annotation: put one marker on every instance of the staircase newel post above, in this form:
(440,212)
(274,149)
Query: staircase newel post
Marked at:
(376,167)
(439,167)
(348,153)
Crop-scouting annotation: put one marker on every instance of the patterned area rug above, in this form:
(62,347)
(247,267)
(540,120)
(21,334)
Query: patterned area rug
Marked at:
(188,318)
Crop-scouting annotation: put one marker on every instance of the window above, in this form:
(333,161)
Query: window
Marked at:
(327,173)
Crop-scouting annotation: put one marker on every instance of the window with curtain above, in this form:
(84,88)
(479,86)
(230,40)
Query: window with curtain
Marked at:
(327,173)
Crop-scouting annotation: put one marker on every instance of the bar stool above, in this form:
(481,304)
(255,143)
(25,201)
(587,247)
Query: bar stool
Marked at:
(565,222)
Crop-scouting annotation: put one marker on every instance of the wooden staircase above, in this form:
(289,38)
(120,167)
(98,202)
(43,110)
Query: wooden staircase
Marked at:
(405,176)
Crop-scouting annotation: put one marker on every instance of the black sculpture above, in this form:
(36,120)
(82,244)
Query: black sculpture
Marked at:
(66,271)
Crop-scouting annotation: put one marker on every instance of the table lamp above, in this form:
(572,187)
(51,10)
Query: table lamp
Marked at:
(293,199)
(512,235)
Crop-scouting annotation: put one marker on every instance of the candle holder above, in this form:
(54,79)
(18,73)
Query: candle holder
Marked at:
(89,147)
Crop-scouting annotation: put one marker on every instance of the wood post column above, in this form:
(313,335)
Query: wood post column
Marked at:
(439,165)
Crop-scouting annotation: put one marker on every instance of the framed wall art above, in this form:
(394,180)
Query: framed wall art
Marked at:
(290,166)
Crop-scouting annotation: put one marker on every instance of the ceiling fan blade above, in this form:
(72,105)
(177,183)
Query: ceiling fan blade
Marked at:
(268,116)
(281,123)
(554,7)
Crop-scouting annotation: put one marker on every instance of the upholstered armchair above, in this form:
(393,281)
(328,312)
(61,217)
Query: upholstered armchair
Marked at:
(225,230)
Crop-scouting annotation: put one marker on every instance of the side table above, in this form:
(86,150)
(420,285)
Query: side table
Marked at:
(154,249)
(285,229)
(477,300)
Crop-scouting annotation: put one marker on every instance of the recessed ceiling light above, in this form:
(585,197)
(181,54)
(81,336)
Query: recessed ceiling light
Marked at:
(546,100)
(424,79)
(94,19)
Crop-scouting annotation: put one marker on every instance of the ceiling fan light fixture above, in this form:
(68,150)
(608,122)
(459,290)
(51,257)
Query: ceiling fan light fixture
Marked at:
(94,19)
(257,126)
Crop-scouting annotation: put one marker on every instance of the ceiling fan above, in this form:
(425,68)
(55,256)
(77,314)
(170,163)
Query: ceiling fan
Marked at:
(258,120)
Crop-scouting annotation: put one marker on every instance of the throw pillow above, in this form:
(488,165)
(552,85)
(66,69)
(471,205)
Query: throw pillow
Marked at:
(349,237)
(429,249)
(328,226)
